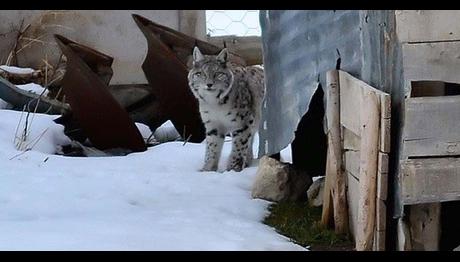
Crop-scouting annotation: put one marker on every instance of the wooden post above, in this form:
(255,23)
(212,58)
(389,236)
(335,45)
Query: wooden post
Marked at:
(370,118)
(335,179)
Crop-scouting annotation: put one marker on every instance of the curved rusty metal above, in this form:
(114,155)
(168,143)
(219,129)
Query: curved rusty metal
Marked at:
(102,119)
(167,76)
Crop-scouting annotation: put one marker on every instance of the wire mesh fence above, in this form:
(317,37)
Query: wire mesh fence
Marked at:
(232,22)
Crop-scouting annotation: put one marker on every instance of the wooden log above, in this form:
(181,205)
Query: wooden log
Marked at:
(370,117)
(334,159)
(425,226)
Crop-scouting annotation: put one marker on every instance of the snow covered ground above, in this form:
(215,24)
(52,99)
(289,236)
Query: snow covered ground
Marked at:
(154,200)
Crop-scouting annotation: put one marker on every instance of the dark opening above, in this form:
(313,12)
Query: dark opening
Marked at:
(450,227)
(434,88)
(309,147)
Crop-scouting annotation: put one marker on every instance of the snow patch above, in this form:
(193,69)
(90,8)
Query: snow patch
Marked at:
(17,70)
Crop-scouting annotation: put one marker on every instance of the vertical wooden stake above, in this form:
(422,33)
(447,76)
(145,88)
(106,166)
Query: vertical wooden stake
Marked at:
(370,118)
(335,179)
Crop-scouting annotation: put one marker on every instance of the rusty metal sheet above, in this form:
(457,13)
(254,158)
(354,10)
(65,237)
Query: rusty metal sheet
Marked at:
(103,120)
(167,76)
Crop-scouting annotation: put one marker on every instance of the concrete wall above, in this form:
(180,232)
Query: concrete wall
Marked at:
(112,32)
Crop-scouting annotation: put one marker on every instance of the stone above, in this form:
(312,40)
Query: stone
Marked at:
(315,192)
(277,181)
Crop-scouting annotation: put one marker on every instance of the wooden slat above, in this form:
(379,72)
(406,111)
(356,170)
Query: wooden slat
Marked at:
(351,162)
(428,180)
(382,176)
(427,25)
(350,102)
(353,200)
(370,117)
(337,181)
(351,141)
(431,126)
(432,61)
(379,241)
(385,123)
(351,97)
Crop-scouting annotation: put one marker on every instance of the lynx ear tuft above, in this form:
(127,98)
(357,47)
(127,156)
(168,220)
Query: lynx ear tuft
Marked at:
(222,57)
(197,55)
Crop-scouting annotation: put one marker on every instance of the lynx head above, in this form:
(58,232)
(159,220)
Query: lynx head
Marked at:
(210,75)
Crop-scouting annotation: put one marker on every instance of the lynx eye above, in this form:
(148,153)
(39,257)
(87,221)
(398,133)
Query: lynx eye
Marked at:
(198,74)
(219,75)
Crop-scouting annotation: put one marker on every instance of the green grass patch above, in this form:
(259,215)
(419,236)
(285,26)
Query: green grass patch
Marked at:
(301,223)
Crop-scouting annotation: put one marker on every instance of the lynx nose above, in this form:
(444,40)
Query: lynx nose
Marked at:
(209,85)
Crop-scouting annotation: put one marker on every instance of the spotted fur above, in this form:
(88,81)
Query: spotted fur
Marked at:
(230,98)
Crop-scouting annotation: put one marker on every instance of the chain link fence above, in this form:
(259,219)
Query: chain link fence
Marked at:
(232,22)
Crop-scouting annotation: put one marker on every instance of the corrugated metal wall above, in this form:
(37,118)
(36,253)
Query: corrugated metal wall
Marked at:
(299,47)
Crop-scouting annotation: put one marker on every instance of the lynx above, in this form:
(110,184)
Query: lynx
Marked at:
(230,98)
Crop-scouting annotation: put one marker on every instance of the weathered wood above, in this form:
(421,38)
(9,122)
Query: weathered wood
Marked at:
(379,241)
(248,47)
(353,202)
(351,141)
(370,117)
(427,25)
(431,126)
(352,162)
(432,61)
(334,153)
(430,180)
(382,176)
(425,226)
(380,222)
(385,123)
(351,97)
(327,215)
(350,101)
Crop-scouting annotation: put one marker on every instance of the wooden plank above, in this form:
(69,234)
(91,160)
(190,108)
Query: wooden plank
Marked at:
(351,97)
(382,176)
(379,241)
(351,162)
(385,123)
(353,201)
(431,126)
(337,181)
(428,180)
(431,61)
(427,25)
(370,117)
(381,217)
(425,226)
(351,141)
(248,47)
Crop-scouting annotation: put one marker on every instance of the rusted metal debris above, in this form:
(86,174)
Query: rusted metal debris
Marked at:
(33,102)
(84,84)
(165,68)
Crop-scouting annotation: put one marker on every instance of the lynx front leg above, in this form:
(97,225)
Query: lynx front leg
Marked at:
(240,145)
(214,142)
